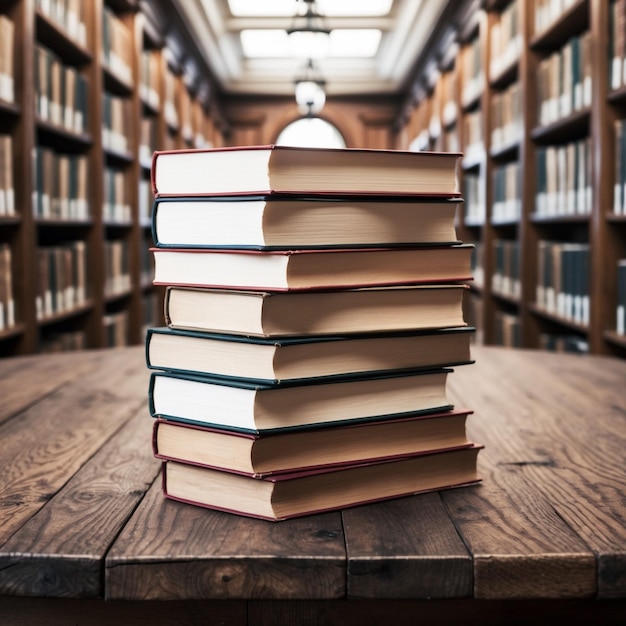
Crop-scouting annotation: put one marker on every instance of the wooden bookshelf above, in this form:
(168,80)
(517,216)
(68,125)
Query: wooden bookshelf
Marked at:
(75,271)
(550,116)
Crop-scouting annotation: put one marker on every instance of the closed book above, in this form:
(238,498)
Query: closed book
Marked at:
(239,404)
(311,269)
(276,314)
(282,496)
(301,222)
(294,358)
(291,169)
(296,450)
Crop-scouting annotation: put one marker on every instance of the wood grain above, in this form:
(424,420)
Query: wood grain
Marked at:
(51,440)
(554,463)
(26,380)
(173,550)
(406,548)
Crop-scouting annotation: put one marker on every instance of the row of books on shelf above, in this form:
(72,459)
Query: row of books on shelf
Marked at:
(507,192)
(116,207)
(7,73)
(563,280)
(547,12)
(69,15)
(564,80)
(310,334)
(564,179)
(62,278)
(117,48)
(617,44)
(505,40)
(117,122)
(149,77)
(117,267)
(506,279)
(7,300)
(7,188)
(60,185)
(61,92)
(506,114)
(619,196)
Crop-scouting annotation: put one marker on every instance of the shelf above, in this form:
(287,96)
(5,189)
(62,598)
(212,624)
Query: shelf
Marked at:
(573,21)
(557,319)
(53,36)
(573,126)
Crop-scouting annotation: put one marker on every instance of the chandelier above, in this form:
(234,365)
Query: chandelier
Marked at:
(309,38)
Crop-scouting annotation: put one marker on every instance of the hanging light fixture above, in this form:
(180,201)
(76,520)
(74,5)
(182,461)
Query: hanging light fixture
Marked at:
(309,37)
(310,94)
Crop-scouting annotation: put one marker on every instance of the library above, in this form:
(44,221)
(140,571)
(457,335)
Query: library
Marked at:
(526,98)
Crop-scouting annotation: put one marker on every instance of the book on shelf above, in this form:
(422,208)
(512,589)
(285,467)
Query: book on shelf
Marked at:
(258,455)
(273,314)
(7,301)
(287,495)
(620,325)
(290,221)
(7,71)
(290,169)
(240,404)
(304,357)
(284,270)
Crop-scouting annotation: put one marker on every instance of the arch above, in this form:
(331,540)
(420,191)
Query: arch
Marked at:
(312,132)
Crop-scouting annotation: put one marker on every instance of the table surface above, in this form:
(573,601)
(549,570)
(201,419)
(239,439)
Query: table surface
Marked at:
(83,515)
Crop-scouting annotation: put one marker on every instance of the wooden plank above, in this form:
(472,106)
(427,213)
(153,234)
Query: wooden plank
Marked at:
(42,448)
(552,475)
(26,380)
(170,550)
(60,551)
(406,548)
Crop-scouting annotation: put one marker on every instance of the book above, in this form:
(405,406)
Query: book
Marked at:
(291,169)
(280,314)
(311,268)
(283,496)
(293,358)
(239,404)
(301,222)
(296,450)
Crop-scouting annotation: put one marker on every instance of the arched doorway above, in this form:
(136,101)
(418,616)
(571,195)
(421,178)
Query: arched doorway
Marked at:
(312,132)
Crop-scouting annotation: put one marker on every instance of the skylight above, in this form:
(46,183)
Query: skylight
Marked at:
(264,43)
(266,8)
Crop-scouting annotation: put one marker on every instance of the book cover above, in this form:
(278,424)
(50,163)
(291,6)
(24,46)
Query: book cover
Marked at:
(261,454)
(283,496)
(276,168)
(279,221)
(280,314)
(271,360)
(241,404)
(311,269)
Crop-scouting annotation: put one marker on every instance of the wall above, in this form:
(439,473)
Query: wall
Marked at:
(363,125)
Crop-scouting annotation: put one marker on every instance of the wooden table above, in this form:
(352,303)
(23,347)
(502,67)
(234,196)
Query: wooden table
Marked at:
(87,537)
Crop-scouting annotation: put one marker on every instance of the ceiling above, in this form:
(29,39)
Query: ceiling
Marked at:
(406,29)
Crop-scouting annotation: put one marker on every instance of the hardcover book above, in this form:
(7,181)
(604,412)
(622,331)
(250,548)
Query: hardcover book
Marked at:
(289,169)
(275,314)
(273,360)
(311,269)
(283,496)
(302,222)
(240,404)
(296,450)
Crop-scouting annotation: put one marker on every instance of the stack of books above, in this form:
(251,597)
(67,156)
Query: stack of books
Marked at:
(314,310)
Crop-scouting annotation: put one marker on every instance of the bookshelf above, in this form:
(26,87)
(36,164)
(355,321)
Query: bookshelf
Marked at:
(542,105)
(75,200)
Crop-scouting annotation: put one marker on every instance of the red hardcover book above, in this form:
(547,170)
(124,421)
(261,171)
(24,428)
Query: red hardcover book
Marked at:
(288,495)
(289,169)
(311,269)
